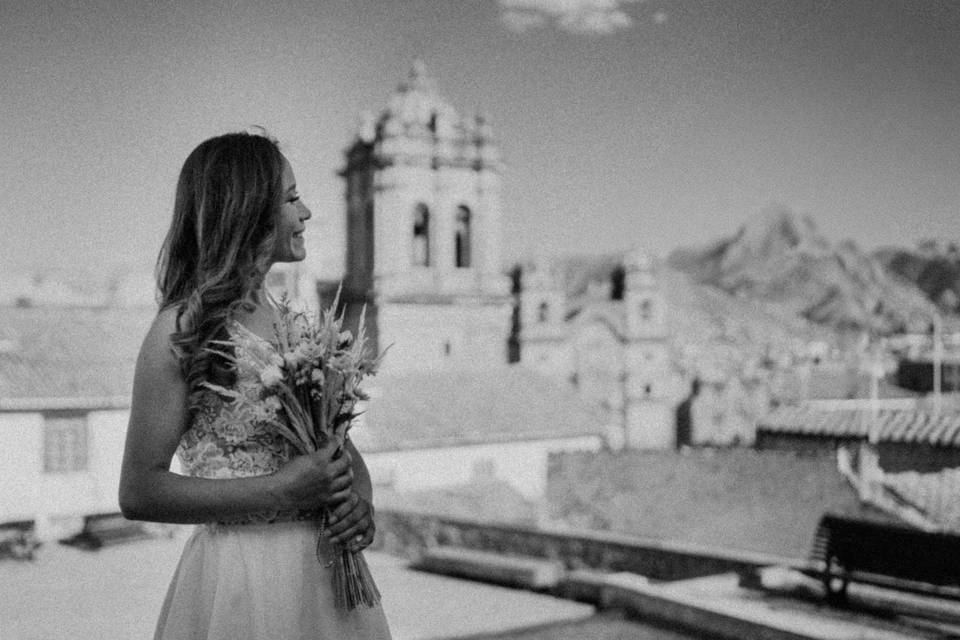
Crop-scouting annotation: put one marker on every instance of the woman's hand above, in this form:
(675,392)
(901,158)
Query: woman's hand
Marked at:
(351,523)
(317,479)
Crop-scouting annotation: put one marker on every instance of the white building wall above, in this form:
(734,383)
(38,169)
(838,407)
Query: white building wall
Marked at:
(598,359)
(57,502)
(419,333)
(107,434)
(650,425)
(521,464)
(489,230)
(552,358)
(21,462)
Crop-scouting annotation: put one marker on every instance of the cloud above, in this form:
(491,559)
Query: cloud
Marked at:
(660,17)
(575,16)
(521,21)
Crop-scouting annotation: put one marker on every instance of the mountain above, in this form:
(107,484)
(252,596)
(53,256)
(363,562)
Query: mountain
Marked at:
(933,269)
(780,257)
(714,335)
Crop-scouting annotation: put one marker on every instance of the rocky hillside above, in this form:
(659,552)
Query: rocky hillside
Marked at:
(780,258)
(934,269)
(714,334)
(717,335)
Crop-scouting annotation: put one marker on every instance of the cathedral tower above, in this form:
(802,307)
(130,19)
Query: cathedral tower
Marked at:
(649,379)
(543,336)
(423,232)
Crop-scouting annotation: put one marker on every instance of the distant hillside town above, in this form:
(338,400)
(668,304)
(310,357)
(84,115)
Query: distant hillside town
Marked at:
(772,340)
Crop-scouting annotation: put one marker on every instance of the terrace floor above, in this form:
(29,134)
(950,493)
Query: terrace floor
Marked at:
(115,594)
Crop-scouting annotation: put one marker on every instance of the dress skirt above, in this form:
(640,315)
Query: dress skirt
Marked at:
(259,582)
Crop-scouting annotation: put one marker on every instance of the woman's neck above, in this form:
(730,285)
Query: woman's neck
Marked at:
(263,315)
(260,296)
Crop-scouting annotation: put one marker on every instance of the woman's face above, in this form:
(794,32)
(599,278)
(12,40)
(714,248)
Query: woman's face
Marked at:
(293,213)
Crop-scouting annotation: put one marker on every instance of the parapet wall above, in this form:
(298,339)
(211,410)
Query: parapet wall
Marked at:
(408,534)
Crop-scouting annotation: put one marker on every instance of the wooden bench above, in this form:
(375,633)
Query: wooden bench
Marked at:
(885,554)
(512,571)
(102,529)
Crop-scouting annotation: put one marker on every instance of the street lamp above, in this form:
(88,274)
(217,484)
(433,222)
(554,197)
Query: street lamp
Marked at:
(876,371)
(937,362)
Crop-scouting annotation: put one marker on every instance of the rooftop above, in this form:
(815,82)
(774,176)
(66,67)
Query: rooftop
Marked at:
(917,426)
(758,501)
(68,593)
(427,409)
(69,353)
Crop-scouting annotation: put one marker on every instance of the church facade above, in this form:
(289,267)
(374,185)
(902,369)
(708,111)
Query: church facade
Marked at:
(423,218)
(614,349)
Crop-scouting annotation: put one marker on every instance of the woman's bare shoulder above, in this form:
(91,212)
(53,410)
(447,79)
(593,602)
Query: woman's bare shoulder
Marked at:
(166,320)
(157,345)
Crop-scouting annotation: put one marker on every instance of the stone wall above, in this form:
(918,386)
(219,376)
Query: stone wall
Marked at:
(729,498)
(407,534)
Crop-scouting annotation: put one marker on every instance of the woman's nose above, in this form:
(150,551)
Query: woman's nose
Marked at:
(305,213)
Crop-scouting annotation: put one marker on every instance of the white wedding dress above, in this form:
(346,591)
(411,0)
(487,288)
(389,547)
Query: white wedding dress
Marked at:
(256,577)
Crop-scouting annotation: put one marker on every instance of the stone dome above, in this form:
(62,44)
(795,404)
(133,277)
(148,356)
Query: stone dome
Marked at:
(417,108)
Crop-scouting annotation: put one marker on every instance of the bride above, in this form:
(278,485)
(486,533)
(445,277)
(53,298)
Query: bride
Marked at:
(249,570)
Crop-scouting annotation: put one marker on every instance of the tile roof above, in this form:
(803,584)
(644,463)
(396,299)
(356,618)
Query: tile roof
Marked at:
(451,407)
(761,501)
(48,355)
(933,494)
(84,358)
(894,425)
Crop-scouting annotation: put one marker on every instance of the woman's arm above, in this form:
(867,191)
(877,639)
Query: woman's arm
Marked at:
(158,417)
(361,475)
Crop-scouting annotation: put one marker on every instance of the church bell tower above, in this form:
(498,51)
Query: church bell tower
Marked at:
(648,418)
(424,231)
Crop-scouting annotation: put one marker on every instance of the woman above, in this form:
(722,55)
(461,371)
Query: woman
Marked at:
(250,570)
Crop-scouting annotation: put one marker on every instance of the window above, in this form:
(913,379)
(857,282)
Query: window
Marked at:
(421,236)
(543,312)
(646,309)
(64,443)
(462,239)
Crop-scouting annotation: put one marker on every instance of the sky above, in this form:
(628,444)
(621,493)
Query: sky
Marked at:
(657,123)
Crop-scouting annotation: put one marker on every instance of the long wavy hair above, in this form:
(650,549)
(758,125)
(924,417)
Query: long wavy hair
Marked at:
(220,244)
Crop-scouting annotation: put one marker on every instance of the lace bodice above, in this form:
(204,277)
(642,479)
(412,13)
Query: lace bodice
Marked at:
(231,437)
